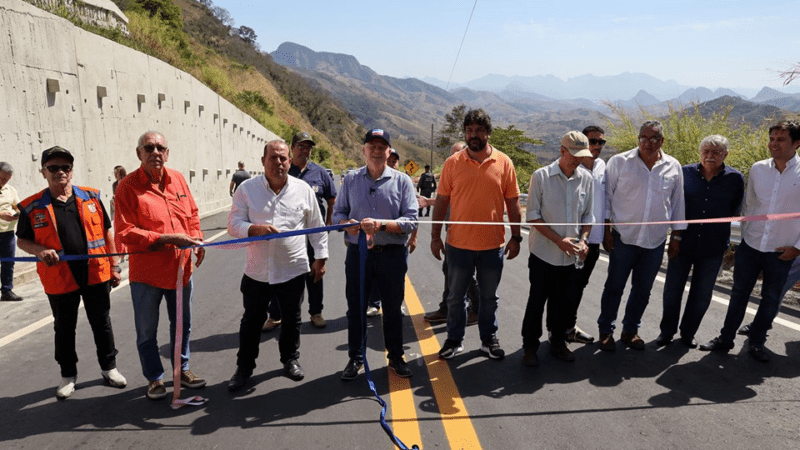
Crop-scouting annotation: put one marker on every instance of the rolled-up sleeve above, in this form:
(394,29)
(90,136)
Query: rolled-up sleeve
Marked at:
(534,211)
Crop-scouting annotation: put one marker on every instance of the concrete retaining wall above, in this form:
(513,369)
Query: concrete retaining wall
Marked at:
(60,85)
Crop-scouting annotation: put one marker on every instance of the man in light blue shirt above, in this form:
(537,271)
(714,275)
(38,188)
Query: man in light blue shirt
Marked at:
(382,202)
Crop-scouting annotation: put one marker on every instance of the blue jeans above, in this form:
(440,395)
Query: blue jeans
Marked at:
(749,263)
(387,269)
(461,265)
(704,276)
(7,250)
(146,304)
(624,259)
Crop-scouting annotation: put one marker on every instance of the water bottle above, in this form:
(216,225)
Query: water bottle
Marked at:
(578,261)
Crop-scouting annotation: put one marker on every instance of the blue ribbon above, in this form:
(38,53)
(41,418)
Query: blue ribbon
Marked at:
(362,260)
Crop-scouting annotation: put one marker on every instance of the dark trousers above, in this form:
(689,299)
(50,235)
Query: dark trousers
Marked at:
(549,284)
(7,250)
(256,296)
(581,281)
(704,276)
(387,269)
(97,303)
(314,292)
(749,264)
(473,294)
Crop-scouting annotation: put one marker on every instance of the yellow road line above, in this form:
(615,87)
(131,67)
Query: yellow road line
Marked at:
(456,422)
(404,412)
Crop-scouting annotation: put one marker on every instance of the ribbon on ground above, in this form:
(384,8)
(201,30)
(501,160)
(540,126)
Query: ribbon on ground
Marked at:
(362,263)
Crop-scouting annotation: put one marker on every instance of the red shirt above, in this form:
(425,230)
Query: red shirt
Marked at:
(143,213)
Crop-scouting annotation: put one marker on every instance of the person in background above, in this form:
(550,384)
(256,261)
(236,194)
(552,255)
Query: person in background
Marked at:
(426,187)
(238,177)
(8,221)
(119,174)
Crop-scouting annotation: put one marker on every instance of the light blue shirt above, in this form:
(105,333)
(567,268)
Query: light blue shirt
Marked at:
(390,197)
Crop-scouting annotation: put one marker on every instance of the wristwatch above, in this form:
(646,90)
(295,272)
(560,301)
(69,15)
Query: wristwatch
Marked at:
(382,227)
(517,238)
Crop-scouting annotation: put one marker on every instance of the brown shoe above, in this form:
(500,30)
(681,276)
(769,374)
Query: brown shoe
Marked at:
(437,316)
(607,342)
(156,390)
(318,321)
(271,324)
(191,381)
(530,358)
(472,318)
(632,340)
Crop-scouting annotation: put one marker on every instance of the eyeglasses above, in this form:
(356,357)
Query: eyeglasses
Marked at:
(713,152)
(652,140)
(152,147)
(66,168)
(599,142)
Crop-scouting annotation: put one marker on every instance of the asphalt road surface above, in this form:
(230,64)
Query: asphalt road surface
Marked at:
(653,399)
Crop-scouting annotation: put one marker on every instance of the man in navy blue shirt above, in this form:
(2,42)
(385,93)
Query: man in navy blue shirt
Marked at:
(382,202)
(711,189)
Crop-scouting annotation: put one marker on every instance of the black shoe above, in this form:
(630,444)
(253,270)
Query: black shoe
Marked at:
(352,369)
(717,345)
(759,353)
(293,370)
(530,359)
(562,352)
(689,341)
(9,296)
(239,379)
(491,348)
(450,349)
(663,339)
(400,367)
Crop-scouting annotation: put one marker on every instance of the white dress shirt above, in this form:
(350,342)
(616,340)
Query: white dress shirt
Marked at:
(554,198)
(771,192)
(635,193)
(599,204)
(295,207)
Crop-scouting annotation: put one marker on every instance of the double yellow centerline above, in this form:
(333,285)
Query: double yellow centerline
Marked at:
(455,419)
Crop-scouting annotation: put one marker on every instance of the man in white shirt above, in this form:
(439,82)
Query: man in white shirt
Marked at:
(561,193)
(597,166)
(773,187)
(275,268)
(642,185)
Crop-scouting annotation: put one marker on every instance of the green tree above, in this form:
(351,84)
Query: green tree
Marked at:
(684,128)
(453,130)
(509,141)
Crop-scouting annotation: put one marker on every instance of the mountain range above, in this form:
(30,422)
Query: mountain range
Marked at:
(544,106)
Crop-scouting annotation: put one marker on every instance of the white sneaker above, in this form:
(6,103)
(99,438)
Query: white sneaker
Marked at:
(66,388)
(114,378)
(372,311)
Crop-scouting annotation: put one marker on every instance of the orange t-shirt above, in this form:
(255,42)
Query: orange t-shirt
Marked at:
(143,213)
(478,192)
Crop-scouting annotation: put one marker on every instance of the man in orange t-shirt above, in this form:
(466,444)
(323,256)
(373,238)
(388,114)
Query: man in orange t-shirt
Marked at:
(156,214)
(478,185)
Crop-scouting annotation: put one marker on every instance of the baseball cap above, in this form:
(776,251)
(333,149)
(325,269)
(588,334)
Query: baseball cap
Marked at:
(302,136)
(577,143)
(55,152)
(378,133)
(394,152)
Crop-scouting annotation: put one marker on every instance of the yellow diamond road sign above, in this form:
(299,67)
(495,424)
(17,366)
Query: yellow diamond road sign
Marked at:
(411,167)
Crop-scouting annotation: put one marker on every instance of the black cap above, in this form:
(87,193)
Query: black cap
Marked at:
(301,137)
(55,152)
(394,152)
(378,133)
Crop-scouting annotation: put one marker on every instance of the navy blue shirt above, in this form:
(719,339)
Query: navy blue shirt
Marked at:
(320,181)
(720,197)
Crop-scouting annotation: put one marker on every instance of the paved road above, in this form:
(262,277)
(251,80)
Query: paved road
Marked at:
(668,398)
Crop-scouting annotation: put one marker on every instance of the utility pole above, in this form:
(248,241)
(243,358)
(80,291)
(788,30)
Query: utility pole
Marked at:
(431,146)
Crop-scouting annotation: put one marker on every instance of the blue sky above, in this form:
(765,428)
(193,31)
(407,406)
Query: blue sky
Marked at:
(732,44)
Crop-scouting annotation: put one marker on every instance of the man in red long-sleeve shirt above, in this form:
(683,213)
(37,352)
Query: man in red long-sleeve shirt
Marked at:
(155,211)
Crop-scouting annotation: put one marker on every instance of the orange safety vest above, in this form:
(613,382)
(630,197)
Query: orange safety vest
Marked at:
(58,279)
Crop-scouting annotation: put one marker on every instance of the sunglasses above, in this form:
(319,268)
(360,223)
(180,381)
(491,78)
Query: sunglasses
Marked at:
(597,142)
(66,168)
(151,148)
